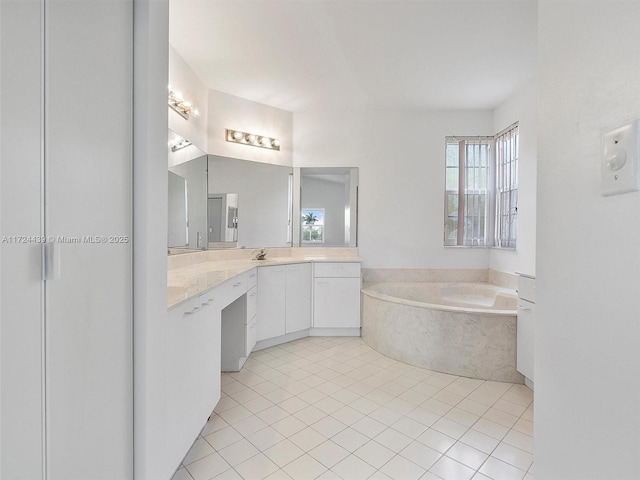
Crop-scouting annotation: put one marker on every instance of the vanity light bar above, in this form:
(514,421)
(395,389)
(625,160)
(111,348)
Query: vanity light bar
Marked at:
(179,104)
(178,143)
(236,136)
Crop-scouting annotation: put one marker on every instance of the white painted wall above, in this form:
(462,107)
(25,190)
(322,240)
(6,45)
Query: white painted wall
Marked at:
(184,80)
(229,111)
(151,40)
(401,195)
(587,423)
(521,107)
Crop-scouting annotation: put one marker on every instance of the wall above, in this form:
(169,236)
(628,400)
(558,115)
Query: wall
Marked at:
(183,79)
(401,193)
(228,111)
(587,394)
(151,40)
(522,108)
(331,196)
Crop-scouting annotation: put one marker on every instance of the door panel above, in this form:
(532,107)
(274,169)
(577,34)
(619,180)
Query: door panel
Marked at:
(88,210)
(21,320)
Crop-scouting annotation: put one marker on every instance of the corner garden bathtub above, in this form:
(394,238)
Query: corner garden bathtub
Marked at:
(466,329)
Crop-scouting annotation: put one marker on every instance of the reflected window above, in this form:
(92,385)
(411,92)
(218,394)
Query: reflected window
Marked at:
(313,225)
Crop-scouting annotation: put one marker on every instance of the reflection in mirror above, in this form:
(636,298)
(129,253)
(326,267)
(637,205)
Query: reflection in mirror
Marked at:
(178,228)
(328,207)
(262,199)
(187,228)
(222,209)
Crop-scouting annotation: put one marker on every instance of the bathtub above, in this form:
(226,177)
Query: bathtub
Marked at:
(466,329)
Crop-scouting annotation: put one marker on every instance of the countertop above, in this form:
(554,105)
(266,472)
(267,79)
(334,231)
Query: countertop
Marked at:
(187,281)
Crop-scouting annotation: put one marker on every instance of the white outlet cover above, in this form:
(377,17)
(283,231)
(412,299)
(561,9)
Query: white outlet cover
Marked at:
(620,151)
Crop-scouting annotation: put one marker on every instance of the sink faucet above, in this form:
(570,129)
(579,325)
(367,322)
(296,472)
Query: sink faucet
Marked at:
(260,254)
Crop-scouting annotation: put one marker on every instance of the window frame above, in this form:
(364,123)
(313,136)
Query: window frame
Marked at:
(507,154)
(303,225)
(500,184)
(461,240)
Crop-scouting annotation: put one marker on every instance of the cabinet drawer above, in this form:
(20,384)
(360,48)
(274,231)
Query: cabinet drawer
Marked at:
(527,288)
(251,336)
(336,270)
(525,338)
(252,278)
(232,289)
(208,298)
(252,303)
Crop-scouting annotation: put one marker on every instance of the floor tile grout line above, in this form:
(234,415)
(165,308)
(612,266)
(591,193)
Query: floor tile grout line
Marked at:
(359,376)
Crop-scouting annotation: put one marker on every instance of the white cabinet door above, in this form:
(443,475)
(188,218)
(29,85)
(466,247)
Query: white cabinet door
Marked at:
(336,303)
(208,341)
(298,297)
(183,377)
(525,337)
(88,210)
(271,302)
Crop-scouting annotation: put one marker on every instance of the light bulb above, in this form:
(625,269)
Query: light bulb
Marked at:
(196,113)
(265,141)
(275,142)
(237,135)
(251,138)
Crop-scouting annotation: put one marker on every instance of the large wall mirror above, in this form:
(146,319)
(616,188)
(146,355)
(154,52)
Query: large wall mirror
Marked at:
(220,202)
(249,203)
(187,227)
(326,212)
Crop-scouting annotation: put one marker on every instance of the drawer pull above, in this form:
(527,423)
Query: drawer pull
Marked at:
(237,284)
(195,309)
(524,309)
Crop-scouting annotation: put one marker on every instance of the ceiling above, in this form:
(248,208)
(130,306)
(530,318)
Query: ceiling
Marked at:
(339,55)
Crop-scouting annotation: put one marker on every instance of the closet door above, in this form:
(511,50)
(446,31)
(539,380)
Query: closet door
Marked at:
(21,288)
(88,177)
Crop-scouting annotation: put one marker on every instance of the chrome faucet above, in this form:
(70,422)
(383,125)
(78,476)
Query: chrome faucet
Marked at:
(260,254)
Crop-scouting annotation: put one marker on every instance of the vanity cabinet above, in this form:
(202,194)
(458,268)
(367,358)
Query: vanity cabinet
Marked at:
(298,297)
(192,369)
(284,300)
(526,326)
(238,322)
(336,295)
(271,302)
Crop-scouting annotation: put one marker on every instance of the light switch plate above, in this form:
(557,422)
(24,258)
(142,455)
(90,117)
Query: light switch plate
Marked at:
(620,151)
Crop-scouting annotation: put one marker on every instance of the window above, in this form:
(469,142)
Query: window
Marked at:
(507,188)
(481,191)
(313,225)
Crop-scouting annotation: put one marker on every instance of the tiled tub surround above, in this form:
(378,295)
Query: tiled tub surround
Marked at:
(462,328)
(190,274)
(494,277)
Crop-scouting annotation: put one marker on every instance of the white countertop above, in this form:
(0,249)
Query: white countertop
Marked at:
(187,281)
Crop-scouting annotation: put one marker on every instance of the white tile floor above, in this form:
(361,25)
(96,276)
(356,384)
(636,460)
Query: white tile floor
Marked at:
(333,408)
